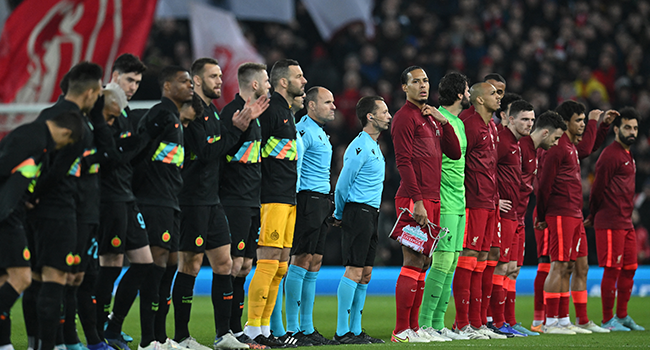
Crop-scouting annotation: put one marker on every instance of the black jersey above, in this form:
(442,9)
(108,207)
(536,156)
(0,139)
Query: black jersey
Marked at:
(157,177)
(241,180)
(207,140)
(21,154)
(279,173)
(86,169)
(116,175)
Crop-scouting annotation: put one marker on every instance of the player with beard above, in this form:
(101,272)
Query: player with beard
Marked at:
(610,212)
(453,92)
(421,134)
(278,199)
(546,132)
(22,153)
(204,227)
(240,189)
(157,182)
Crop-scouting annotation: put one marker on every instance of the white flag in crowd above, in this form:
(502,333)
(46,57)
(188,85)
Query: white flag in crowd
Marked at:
(332,15)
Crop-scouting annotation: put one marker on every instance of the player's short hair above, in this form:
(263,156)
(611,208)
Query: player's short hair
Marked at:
(568,108)
(128,63)
(495,76)
(71,120)
(404,78)
(168,74)
(280,70)
(450,86)
(82,77)
(247,71)
(508,99)
(197,105)
(367,104)
(627,113)
(520,106)
(311,95)
(114,93)
(550,120)
(199,65)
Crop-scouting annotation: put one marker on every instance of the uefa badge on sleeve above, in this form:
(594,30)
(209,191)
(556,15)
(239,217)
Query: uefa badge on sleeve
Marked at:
(410,234)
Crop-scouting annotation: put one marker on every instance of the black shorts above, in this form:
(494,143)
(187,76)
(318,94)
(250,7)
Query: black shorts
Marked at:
(121,228)
(14,251)
(203,228)
(244,223)
(84,257)
(55,241)
(359,238)
(163,226)
(312,211)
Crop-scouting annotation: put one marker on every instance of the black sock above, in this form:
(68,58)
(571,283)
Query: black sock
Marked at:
(222,296)
(8,297)
(164,300)
(5,329)
(69,325)
(48,304)
(237,306)
(182,297)
(125,295)
(103,293)
(86,308)
(149,303)
(29,309)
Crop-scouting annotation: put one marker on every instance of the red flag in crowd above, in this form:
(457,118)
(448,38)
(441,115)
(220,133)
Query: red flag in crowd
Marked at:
(43,39)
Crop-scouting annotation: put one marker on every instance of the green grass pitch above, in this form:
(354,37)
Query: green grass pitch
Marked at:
(379,320)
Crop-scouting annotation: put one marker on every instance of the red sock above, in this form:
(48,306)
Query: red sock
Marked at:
(415,310)
(564,304)
(542,273)
(486,289)
(608,291)
(498,302)
(624,285)
(511,297)
(461,287)
(552,301)
(476,294)
(580,304)
(405,291)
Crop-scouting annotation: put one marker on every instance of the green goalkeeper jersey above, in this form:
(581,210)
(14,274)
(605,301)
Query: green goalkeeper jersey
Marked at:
(452,183)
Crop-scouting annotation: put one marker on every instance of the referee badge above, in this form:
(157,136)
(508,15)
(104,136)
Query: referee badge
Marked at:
(27,254)
(69,259)
(241,245)
(116,242)
(198,241)
(166,236)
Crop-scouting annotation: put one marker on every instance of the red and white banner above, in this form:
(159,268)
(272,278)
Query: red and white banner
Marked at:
(43,39)
(332,15)
(216,34)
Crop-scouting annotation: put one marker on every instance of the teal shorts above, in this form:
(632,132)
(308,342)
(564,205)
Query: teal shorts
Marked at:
(453,242)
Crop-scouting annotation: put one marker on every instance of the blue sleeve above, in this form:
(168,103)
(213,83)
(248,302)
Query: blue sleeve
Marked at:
(300,151)
(352,163)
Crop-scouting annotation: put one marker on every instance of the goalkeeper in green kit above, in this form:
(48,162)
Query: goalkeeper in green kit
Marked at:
(454,97)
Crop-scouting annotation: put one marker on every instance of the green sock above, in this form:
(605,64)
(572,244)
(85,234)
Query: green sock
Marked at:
(433,287)
(438,318)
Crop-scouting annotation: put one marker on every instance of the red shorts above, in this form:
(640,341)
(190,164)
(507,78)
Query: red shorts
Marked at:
(496,237)
(566,241)
(518,245)
(508,236)
(616,248)
(480,226)
(432,207)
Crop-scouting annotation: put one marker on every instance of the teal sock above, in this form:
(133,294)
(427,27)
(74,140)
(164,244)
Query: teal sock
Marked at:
(308,298)
(277,327)
(294,287)
(345,296)
(357,308)
(438,319)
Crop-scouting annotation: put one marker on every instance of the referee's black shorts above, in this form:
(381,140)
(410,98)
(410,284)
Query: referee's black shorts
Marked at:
(359,238)
(312,211)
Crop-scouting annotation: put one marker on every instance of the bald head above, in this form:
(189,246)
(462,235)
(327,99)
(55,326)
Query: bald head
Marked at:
(485,95)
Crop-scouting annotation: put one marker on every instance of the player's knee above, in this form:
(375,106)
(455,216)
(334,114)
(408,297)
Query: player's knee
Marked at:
(21,280)
(365,279)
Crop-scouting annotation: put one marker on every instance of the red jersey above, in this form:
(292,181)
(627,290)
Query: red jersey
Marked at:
(509,171)
(419,142)
(528,172)
(480,161)
(612,194)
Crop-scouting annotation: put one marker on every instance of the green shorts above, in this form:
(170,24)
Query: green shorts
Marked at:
(453,242)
